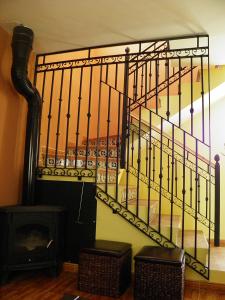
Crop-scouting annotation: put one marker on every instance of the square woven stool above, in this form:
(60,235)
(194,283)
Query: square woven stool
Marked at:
(105,268)
(159,274)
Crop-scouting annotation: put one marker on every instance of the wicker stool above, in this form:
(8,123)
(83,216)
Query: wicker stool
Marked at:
(159,274)
(105,268)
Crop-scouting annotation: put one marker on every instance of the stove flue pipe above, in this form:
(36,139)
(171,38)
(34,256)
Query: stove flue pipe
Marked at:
(21,47)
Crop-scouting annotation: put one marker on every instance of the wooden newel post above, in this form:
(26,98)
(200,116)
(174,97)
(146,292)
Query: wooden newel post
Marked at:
(217,202)
(125,110)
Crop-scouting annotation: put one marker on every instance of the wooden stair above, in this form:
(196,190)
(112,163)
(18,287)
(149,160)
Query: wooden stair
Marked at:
(189,244)
(165,225)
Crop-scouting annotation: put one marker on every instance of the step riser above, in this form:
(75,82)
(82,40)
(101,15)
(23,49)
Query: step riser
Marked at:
(143,211)
(100,153)
(102,141)
(80,163)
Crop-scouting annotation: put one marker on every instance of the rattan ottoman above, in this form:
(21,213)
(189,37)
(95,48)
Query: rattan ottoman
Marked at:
(105,268)
(159,274)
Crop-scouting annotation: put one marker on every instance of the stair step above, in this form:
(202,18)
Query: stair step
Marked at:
(189,239)
(217,264)
(81,162)
(144,202)
(112,154)
(165,221)
(72,146)
(165,225)
(189,244)
(132,192)
(112,140)
(143,212)
(92,151)
(217,258)
(101,176)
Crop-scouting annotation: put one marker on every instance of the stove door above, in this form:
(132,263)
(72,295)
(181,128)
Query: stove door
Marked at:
(32,239)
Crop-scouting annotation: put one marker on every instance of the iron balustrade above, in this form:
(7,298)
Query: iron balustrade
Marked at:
(183,163)
(105,113)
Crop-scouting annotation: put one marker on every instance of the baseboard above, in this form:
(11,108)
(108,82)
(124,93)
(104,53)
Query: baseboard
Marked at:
(205,285)
(70,267)
(222,243)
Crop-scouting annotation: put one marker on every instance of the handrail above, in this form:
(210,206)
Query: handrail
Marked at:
(202,170)
(177,142)
(146,55)
(184,71)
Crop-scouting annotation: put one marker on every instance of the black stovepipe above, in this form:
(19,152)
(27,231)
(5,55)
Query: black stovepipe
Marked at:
(21,47)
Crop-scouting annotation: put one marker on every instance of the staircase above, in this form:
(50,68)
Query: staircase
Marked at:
(154,172)
(122,198)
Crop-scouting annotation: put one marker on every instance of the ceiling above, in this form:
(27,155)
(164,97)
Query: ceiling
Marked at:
(70,24)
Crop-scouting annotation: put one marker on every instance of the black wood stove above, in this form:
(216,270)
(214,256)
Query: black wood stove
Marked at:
(31,238)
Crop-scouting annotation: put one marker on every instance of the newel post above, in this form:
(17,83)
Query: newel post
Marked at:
(217,202)
(124,116)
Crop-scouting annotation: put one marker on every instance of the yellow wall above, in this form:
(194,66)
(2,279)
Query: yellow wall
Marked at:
(112,227)
(12,128)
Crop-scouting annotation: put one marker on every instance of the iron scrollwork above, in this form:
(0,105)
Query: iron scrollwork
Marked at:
(78,63)
(87,173)
(196,265)
(120,58)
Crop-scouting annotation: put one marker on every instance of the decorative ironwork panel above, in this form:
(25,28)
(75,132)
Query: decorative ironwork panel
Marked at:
(66,172)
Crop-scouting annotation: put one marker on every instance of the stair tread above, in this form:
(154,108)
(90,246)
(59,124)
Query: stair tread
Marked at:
(143,202)
(81,146)
(101,137)
(165,221)
(79,156)
(189,239)
(217,258)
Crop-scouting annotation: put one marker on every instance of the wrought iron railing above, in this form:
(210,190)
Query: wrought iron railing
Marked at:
(126,120)
(175,158)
